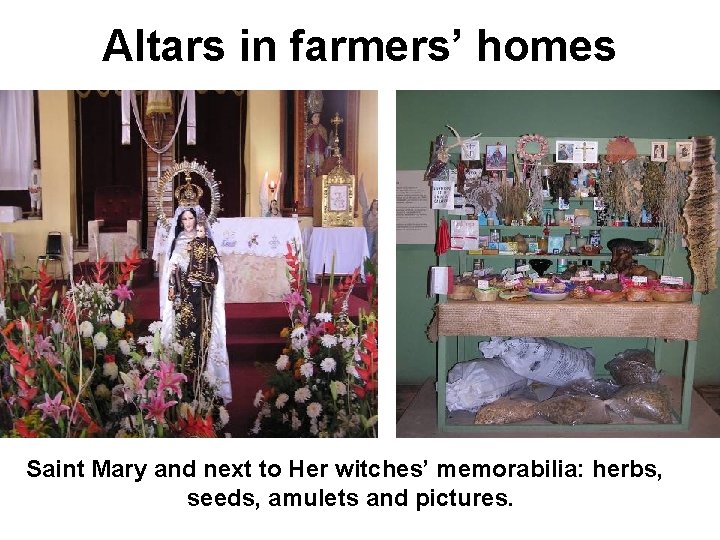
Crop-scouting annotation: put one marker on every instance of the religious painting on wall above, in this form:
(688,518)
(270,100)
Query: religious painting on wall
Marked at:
(316,121)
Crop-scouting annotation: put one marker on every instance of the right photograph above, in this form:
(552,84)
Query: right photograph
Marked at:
(557,256)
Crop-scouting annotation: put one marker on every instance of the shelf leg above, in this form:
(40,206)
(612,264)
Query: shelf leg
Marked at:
(688,377)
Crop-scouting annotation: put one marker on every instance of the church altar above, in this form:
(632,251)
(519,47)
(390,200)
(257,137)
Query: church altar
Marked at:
(348,246)
(252,251)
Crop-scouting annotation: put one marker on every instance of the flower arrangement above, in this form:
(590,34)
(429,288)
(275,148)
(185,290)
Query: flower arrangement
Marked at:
(74,368)
(326,381)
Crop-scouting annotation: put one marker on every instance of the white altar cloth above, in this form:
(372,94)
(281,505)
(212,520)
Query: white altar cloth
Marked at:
(348,245)
(252,252)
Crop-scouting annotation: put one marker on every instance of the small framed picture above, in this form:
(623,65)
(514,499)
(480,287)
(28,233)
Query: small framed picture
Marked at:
(576,151)
(496,157)
(658,150)
(683,151)
(338,198)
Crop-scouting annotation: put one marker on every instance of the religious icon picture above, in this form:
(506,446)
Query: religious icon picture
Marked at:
(658,150)
(683,151)
(496,157)
(338,198)
(576,151)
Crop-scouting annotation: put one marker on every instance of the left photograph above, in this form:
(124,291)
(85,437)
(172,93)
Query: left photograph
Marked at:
(188,263)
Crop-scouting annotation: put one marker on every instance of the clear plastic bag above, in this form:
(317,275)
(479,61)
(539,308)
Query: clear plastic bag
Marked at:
(598,388)
(506,410)
(633,366)
(572,410)
(648,401)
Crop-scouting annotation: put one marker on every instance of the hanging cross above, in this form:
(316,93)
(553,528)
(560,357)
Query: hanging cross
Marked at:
(336,121)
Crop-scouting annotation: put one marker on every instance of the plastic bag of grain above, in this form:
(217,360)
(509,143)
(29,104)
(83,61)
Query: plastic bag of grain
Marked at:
(633,366)
(474,383)
(541,359)
(506,410)
(572,410)
(648,401)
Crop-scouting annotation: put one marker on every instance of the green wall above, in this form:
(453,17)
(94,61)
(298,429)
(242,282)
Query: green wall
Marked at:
(638,114)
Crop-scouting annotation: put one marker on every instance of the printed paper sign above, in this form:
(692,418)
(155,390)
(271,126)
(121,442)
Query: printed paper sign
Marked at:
(483,284)
(470,151)
(670,280)
(442,195)
(637,280)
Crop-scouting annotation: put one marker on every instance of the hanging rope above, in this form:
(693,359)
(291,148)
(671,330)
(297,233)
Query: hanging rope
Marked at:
(133,101)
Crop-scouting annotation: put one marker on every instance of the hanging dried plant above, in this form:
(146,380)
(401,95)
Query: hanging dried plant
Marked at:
(653,189)
(675,182)
(514,201)
(535,206)
(484,194)
(559,181)
(633,189)
(700,214)
(614,193)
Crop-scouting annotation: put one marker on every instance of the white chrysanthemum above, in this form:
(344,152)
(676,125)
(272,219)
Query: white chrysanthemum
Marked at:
(347,343)
(110,369)
(223,415)
(328,340)
(340,388)
(57,328)
(86,329)
(281,400)
(258,398)
(328,365)
(117,318)
(283,362)
(256,427)
(178,348)
(155,327)
(314,409)
(298,332)
(306,370)
(323,317)
(302,394)
(265,410)
(100,340)
(295,423)
(150,362)
(124,347)
(102,392)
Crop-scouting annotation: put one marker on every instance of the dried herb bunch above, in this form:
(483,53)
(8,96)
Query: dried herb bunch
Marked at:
(514,201)
(633,188)
(653,187)
(535,206)
(484,194)
(675,182)
(559,181)
(700,214)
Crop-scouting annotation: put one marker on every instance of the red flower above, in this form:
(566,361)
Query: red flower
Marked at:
(24,431)
(44,287)
(196,427)
(132,263)
(109,358)
(100,270)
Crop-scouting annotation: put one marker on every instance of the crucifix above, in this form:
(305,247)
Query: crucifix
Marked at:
(584,149)
(336,121)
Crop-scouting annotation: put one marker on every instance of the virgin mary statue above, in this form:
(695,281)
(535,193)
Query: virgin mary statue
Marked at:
(192,298)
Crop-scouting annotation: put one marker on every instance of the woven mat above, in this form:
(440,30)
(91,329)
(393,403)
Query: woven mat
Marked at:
(582,318)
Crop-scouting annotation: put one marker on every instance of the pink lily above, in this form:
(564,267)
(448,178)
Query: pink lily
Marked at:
(53,408)
(169,379)
(156,406)
(122,292)
(44,349)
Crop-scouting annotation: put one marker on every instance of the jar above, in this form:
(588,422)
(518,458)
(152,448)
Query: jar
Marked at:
(495,235)
(595,238)
(478,267)
(562,265)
